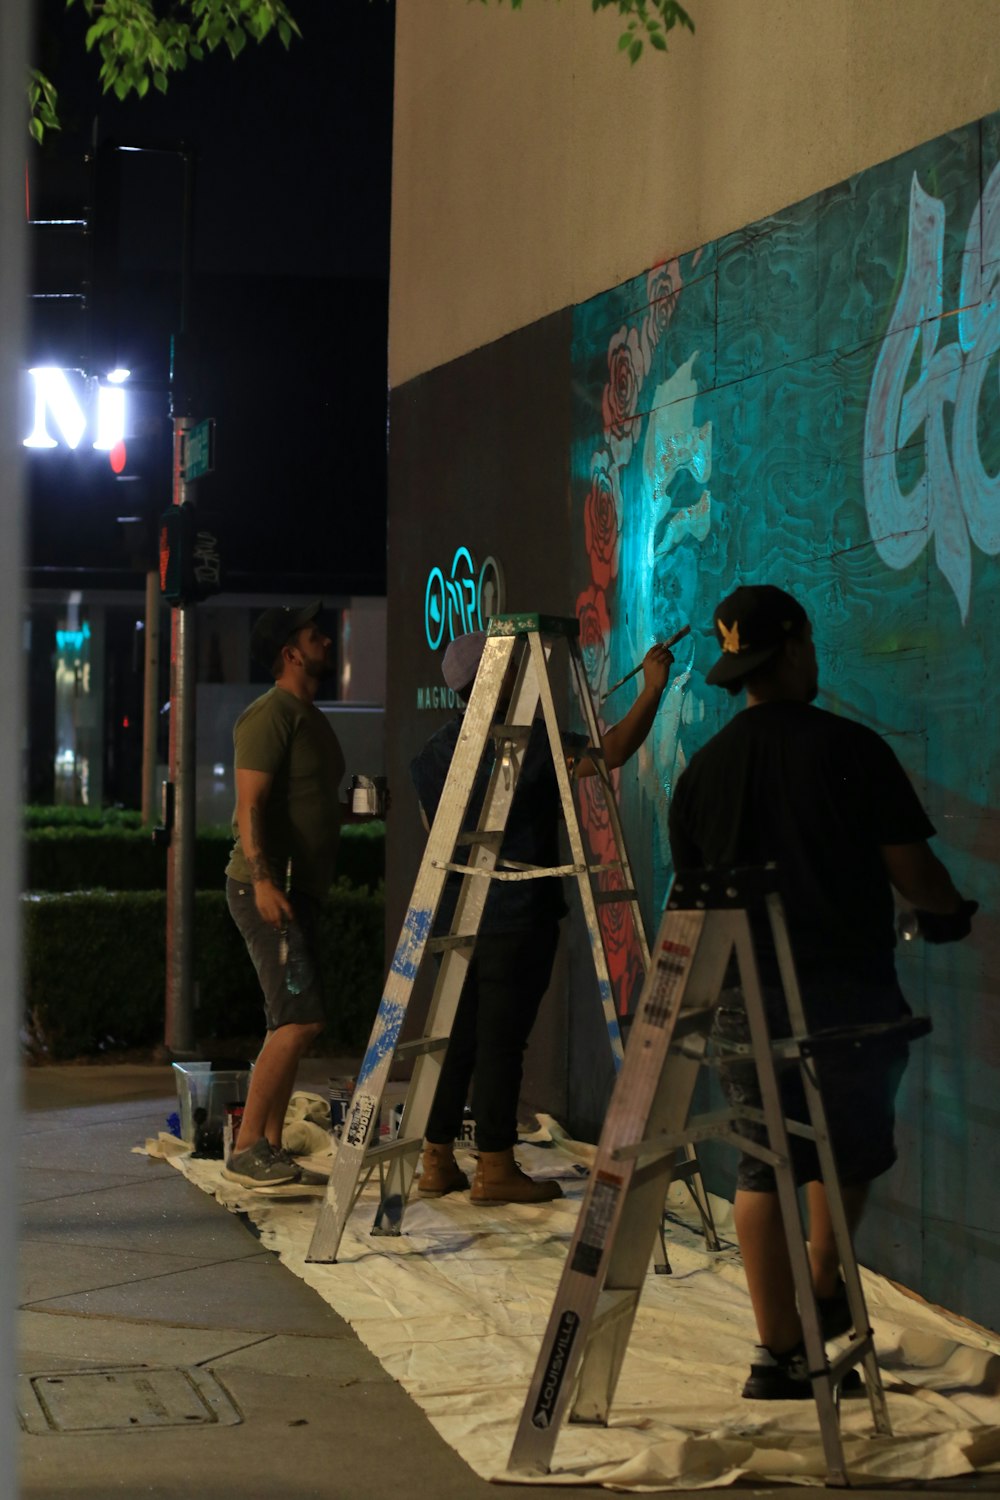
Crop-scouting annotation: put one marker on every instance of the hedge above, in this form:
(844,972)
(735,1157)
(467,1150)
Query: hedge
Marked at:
(94,964)
(38,815)
(82,856)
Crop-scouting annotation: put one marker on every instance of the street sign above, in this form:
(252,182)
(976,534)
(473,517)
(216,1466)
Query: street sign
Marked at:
(199,450)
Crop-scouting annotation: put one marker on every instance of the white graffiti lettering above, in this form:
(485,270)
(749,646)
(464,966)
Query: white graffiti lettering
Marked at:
(954,499)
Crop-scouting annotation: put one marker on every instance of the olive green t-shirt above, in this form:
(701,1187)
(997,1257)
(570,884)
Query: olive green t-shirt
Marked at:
(292,741)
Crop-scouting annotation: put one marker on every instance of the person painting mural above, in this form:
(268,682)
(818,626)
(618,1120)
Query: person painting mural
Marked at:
(825,799)
(517,938)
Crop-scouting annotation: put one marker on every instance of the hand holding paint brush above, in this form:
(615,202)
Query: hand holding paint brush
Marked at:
(678,636)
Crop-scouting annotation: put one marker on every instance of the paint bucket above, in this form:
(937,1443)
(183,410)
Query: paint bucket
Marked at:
(232,1119)
(369,795)
(341,1090)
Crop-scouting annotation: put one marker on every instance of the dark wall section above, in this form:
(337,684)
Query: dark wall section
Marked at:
(478,458)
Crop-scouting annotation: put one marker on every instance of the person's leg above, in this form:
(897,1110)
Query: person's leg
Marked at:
(824,1259)
(272,1081)
(445,1122)
(761,1235)
(514,973)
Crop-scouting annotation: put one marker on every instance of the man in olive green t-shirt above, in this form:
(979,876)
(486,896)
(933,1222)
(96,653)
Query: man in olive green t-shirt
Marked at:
(287,825)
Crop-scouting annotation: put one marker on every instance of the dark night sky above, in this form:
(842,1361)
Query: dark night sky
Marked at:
(289,296)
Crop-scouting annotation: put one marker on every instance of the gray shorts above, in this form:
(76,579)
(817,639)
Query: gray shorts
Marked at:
(858,1089)
(288,971)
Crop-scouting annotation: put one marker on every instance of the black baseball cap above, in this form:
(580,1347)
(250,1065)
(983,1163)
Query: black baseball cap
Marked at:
(751,625)
(276,627)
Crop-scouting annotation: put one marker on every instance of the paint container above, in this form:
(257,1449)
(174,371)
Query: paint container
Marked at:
(369,795)
(393,1100)
(467,1134)
(341,1092)
(232,1119)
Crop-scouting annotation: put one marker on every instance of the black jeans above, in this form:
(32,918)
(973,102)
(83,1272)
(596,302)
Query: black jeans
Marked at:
(503,989)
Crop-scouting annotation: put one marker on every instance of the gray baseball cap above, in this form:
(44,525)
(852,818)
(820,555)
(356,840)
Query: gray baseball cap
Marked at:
(276,626)
(460,662)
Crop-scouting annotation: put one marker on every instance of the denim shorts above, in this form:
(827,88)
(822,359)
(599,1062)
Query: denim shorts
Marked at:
(858,1088)
(286,967)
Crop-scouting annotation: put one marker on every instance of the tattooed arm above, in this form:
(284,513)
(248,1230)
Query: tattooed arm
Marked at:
(252,791)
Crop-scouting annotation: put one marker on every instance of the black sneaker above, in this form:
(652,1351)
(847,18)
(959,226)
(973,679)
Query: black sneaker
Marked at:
(778,1377)
(835,1315)
(259,1166)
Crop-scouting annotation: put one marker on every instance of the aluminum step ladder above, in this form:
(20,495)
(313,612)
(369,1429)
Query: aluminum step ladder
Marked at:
(577,1371)
(520,644)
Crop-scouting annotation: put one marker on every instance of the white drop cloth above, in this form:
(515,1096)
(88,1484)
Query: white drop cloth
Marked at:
(455,1310)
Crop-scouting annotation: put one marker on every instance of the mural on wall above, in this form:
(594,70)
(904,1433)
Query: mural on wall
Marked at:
(811,401)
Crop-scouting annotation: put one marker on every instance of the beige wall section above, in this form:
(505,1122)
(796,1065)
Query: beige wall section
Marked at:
(533,167)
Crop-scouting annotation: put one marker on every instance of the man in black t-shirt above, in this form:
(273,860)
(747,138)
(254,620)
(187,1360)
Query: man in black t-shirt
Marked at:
(828,803)
(518,934)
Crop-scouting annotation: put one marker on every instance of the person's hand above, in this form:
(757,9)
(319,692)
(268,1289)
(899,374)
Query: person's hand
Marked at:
(656,666)
(947,927)
(272,904)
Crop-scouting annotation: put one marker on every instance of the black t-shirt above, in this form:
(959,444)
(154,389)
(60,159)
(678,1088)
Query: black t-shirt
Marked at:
(817,795)
(531,835)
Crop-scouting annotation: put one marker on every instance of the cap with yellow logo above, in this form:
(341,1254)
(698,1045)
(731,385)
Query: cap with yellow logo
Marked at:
(751,625)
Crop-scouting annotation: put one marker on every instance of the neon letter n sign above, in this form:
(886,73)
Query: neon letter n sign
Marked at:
(54,397)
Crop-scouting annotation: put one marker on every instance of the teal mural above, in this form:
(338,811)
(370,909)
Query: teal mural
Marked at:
(814,401)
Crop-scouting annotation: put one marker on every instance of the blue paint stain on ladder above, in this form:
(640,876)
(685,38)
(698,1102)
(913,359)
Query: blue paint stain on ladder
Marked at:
(388,1024)
(406,960)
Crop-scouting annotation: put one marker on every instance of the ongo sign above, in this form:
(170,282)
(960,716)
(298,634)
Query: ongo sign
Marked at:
(462,601)
(455,603)
(66,407)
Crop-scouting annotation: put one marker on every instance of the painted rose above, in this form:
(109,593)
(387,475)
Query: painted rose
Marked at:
(662,286)
(595,631)
(602,519)
(620,402)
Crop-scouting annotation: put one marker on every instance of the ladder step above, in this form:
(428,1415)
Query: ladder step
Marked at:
(491,838)
(421,1045)
(453,940)
(605,898)
(398,1147)
(612,1305)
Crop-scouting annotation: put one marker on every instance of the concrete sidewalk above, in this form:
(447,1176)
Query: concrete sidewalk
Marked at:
(196,1364)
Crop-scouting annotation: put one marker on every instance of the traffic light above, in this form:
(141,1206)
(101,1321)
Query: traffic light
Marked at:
(190,564)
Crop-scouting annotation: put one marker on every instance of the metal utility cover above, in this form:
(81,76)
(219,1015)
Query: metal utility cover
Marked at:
(122,1400)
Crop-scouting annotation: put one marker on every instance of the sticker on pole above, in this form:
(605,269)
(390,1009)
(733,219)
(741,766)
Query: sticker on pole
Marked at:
(672,964)
(594,1234)
(555,1370)
(362,1115)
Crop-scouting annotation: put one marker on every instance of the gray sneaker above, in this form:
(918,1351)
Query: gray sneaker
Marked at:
(259,1166)
(303,1175)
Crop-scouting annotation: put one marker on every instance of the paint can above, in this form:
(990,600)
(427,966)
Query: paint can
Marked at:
(369,795)
(232,1119)
(341,1092)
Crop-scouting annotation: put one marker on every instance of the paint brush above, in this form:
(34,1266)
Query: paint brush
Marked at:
(679,636)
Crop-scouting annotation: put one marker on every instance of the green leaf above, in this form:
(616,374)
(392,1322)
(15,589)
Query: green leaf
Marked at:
(625,40)
(635,51)
(236,41)
(658,40)
(37,130)
(160,82)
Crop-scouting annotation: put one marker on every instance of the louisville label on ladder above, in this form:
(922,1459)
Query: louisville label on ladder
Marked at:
(519,645)
(595,1305)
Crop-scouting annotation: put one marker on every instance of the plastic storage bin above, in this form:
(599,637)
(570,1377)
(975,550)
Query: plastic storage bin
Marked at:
(203,1091)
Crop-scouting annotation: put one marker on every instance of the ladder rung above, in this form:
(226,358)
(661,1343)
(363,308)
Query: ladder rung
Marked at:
(398,1147)
(421,1045)
(603,898)
(612,1304)
(452,940)
(492,838)
(518,734)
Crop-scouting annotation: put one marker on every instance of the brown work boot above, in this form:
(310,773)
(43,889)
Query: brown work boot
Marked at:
(440,1173)
(499,1179)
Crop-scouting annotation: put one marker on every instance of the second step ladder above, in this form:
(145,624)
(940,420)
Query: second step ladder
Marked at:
(518,645)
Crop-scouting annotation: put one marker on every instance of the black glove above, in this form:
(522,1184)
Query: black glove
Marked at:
(936,927)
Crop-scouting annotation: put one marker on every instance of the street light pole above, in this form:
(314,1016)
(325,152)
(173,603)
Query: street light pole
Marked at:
(179,1008)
